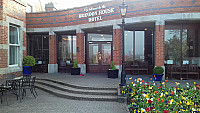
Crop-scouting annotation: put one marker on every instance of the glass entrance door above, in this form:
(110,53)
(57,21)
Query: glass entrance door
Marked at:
(99,52)
(99,56)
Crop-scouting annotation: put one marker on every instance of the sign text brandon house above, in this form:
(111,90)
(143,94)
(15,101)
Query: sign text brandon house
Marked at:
(96,15)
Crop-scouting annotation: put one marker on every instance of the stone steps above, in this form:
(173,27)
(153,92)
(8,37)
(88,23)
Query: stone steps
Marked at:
(74,92)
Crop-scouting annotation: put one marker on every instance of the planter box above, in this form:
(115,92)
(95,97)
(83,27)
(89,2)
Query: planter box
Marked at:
(112,73)
(158,77)
(75,71)
(27,70)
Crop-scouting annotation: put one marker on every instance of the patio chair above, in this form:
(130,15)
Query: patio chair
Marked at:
(27,83)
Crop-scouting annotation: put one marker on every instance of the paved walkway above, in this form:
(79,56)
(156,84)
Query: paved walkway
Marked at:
(47,103)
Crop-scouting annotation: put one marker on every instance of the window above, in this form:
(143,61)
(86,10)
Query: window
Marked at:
(182,44)
(38,47)
(13,45)
(67,48)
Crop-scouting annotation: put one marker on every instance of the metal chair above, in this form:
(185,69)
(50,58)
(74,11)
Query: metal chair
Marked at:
(27,83)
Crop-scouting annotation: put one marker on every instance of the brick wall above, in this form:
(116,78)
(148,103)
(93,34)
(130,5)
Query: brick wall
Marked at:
(19,73)
(80,54)
(3,58)
(135,8)
(52,49)
(117,46)
(15,10)
(159,45)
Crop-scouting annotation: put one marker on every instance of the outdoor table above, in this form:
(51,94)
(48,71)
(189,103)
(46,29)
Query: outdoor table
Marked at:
(6,85)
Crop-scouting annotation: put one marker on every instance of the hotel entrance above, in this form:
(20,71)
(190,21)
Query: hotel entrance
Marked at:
(99,52)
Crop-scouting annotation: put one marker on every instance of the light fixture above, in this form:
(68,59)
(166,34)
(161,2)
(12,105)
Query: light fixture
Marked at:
(98,30)
(123,9)
(145,29)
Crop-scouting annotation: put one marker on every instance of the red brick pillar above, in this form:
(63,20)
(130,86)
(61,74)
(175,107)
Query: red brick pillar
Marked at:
(159,45)
(117,47)
(52,66)
(80,50)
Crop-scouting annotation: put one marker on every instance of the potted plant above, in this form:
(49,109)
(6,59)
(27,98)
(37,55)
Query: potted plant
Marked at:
(28,62)
(112,72)
(75,70)
(158,73)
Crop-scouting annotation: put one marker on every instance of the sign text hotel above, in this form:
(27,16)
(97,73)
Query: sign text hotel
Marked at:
(96,15)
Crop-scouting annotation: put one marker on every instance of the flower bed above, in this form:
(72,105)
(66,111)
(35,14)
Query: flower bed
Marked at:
(151,98)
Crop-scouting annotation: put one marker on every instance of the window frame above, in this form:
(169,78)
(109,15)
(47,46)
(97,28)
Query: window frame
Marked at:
(15,45)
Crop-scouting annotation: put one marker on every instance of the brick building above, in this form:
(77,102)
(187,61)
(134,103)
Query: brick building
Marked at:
(13,35)
(157,33)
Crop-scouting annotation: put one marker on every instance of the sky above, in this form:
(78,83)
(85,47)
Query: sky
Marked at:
(66,4)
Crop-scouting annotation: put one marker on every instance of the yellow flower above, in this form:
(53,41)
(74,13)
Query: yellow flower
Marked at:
(183,98)
(166,93)
(147,95)
(180,102)
(172,100)
(194,83)
(188,103)
(132,82)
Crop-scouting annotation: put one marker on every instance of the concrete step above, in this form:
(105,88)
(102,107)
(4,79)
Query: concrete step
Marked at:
(75,96)
(76,86)
(75,90)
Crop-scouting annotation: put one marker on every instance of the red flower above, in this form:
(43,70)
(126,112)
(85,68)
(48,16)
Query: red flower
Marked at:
(172,92)
(158,100)
(148,109)
(166,111)
(150,101)
(162,100)
(147,81)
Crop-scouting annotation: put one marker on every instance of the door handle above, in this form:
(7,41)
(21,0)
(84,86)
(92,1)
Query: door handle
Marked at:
(99,56)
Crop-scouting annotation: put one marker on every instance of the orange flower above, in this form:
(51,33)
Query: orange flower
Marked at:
(150,78)
(142,80)
(155,78)
(162,100)
(138,79)
(166,80)
(166,77)
(181,78)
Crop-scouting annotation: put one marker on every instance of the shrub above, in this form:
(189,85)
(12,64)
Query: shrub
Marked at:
(75,64)
(158,70)
(28,61)
(112,66)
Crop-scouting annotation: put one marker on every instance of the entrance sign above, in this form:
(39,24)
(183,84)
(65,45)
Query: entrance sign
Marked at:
(94,14)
